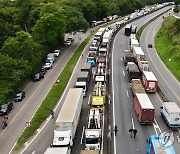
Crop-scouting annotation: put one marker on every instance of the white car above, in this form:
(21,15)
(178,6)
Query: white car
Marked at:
(56,53)
(47,65)
(67,43)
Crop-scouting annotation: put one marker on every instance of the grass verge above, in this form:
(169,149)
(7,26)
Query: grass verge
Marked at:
(163,47)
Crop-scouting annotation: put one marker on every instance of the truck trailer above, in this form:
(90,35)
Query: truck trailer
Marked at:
(87,68)
(89,152)
(144,108)
(137,86)
(56,150)
(171,114)
(68,118)
(128,30)
(128,57)
(138,52)
(133,71)
(143,64)
(149,81)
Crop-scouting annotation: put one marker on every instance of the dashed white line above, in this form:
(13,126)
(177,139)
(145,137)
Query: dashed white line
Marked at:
(82,135)
(121,42)
(127,93)
(89,99)
(123,73)
(33,152)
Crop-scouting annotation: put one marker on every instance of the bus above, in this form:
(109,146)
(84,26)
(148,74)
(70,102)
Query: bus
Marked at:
(155,147)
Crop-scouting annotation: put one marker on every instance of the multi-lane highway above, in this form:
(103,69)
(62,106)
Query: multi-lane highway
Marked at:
(123,111)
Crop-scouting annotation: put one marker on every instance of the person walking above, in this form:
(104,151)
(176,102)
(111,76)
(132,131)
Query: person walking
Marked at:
(135,132)
(52,114)
(131,131)
(115,129)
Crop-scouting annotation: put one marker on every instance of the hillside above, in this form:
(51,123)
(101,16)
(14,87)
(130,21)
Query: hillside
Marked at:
(167,42)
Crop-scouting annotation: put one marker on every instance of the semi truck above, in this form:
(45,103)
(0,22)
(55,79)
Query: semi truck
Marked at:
(56,150)
(133,71)
(91,59)
(171,114)
(138,52)
(87,68)
(83,80)
(68,118)
(128,30)
(137,87)
(155,147)
(127,57)
(134,43)
(144,108)
(149,81)
(93,135)
(143,64)
(133,29)
(89,152)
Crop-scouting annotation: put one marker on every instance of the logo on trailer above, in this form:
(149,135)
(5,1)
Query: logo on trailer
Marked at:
(166,138)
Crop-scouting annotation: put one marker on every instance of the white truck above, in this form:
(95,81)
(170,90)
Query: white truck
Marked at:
(134,43)
(57,53)
(68,118)
(138,52)
(93,131)
(102,51)
(56,150)
(83,80)
(171,114)
(107,37)
(51,57)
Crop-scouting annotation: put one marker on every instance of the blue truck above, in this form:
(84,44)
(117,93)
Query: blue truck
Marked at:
(91,59)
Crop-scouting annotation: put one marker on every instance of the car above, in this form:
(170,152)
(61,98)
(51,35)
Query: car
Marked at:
(19,96)
(6,107)
(70,39)
(47,65)
(149,45)
(67,43)
(56,53)
(38,76)
(42,70)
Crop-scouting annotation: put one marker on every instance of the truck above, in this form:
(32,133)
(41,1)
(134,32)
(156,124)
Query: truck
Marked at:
(144,109)
(102,51)
(91,59)
(93,50)
(89,152)
(83,80)
(137,87)
(138,52)
(128,30)
(107,37)
(127,57)
(87,68)
(98,36)
(51,57)
(57,53)
(149,81)
(133,29)
(68,118)
(93,131)
(171,114)
(134,43)
(143,64)
(133,71)
(155,147)
(56,150)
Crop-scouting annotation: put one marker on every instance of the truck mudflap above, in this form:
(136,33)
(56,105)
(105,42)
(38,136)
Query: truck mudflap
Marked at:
(173,126)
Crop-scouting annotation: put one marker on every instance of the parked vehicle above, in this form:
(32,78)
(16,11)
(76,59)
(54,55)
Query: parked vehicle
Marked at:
(68,118)
(57,53)
(70,39)
(155,147)
(6,107)
(38,76)
(171,114)
(42,70)
(67,43)
(144,108)
(51,57)
(19,96)
(149,81)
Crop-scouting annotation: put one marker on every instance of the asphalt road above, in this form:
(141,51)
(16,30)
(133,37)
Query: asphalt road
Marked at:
(35,94)
(167,82)
(123,111)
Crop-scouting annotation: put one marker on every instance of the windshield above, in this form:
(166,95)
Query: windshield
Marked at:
(80,87)
(102,52)
(4,106)
(92,140)
(90,59)
(97,106)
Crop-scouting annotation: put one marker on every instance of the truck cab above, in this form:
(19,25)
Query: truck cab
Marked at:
(91,59)
(83,86)
(98,102)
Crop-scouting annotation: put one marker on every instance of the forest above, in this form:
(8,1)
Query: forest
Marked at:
(30,29)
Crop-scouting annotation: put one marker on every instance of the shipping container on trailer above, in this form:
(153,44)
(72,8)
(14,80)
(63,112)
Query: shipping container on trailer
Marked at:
(144,108)
(149,81)
(137,87)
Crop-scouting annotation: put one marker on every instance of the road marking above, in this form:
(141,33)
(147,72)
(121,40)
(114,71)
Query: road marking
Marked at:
(56,104)
(121,42)
(33,152)
(127,93)
(156,127)
(148,31)
(82,135)
(123,73)
(89,99)
(102,136)
(121,58)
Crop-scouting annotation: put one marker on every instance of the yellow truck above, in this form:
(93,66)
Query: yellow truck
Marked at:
(98,102)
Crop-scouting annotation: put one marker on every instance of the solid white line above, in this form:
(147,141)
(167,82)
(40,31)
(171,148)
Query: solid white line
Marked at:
(82,135)
(123,73)
(89,99)
(102,136)
(127,93)
(56,105)
(133,123)
(114,118)
(33,152)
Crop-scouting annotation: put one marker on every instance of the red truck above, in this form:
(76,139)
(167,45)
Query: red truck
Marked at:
(144,109)
(149,81)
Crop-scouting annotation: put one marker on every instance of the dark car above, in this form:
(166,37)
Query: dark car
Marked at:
(38,76)
(5,108)
(19,96)
(42,70)
(149,45)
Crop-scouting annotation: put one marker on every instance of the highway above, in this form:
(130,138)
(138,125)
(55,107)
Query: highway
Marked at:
(123,111)
(35,94)
(167,82)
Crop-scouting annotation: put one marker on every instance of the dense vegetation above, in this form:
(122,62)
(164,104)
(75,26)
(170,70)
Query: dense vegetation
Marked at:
(31,29)
(168,44)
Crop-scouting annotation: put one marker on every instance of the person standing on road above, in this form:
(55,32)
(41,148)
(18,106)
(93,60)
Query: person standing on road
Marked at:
(115,129)
(135,132)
